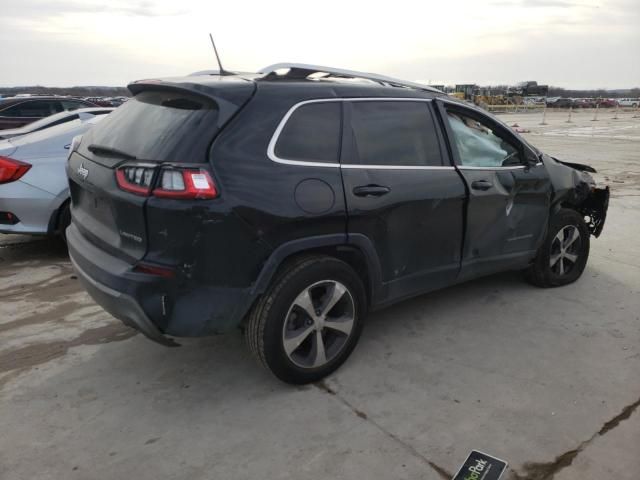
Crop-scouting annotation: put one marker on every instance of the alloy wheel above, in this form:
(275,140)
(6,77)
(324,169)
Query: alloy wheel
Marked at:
(565,250)
(318,324)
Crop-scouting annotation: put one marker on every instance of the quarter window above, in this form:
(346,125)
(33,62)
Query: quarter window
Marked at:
(312,134)
(394,133)
(478,145)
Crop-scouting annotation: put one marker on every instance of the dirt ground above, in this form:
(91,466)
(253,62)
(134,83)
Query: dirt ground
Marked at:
(548,380)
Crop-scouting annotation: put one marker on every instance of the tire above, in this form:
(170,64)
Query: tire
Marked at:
(562,257)
(64,220)
(287,339)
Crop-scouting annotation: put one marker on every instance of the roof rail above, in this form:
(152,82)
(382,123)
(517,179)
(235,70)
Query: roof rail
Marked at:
(303,70)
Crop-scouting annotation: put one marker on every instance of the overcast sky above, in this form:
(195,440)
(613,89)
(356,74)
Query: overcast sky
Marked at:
(574,44)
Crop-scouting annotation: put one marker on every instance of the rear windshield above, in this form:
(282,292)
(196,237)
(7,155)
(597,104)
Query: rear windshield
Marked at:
(160,126)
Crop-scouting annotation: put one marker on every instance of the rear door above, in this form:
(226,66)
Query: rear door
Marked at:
(402,193)
(119,161)
(509,197)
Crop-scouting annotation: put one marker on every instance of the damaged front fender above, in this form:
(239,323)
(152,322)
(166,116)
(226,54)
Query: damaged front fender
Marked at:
(574,188)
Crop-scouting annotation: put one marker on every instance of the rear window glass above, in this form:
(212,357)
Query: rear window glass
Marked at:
(312,133)
(394,133)
(160,126)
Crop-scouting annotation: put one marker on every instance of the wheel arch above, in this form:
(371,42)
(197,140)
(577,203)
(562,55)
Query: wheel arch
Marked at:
(54,219)
(355,250)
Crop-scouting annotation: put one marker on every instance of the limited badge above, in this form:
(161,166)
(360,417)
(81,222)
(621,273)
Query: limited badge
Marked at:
(480,466)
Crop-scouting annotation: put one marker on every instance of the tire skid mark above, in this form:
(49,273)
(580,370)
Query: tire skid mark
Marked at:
(39,353)
(55,315)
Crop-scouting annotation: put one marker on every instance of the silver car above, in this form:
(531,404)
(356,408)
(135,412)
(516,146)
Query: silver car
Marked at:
(53,120)
(34,193)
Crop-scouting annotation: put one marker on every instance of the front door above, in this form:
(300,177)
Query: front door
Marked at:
(402,193)
(509,192)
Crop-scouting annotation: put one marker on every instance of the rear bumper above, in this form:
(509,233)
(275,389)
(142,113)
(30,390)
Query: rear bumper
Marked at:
(156,306)
(33,207)
(122,306)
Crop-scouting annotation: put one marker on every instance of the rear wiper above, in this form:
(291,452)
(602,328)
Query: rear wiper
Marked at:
(109,151)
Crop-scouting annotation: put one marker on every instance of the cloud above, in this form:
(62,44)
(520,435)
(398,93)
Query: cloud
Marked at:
(48,8)
(562,42)
(539,4)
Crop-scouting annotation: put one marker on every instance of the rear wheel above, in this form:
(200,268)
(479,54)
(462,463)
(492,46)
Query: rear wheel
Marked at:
(564,253)
(308,322)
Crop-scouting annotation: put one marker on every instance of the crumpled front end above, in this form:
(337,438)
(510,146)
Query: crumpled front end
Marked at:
(575,188)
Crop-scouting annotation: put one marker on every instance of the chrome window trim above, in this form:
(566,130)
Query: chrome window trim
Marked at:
(271,149)
(515,167)
(352,166)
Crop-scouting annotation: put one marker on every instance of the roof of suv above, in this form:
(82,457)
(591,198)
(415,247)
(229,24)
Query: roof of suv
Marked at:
(304,80)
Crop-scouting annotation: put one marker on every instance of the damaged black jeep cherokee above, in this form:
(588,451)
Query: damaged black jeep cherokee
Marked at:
(292,202)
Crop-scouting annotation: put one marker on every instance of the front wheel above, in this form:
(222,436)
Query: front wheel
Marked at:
(563,255)
(309,321)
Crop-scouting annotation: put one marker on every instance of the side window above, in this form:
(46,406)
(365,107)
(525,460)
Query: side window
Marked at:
(312,133)
(394,133)
(33,108)
(13,111)
(57,107)
(72,105)
(478,145)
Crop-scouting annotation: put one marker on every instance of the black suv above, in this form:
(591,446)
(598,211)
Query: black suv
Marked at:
(289,203)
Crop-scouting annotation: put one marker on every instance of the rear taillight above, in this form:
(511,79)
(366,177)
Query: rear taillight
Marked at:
(188,183)
(135,179)
(8,218)
(11,170)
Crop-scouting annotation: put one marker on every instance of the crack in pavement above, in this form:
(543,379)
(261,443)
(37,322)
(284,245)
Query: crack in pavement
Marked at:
(532,470)
(443,473)
(548,470)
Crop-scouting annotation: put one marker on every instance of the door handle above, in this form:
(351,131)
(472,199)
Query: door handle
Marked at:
(481,185)
(371,191)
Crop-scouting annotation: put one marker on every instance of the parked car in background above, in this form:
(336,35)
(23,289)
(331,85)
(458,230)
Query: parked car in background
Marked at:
(290,207)
(584,103)
(533,100)
(34,191)
(560,102)
(629,102)
(116,101)
(100,101)
(607,102)
(57,119)
(22,110)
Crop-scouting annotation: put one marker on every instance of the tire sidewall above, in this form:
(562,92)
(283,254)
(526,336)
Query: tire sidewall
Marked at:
(274,354)
(64,220)
(560,220)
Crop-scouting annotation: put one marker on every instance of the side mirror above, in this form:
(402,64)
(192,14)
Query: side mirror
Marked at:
(530,159)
